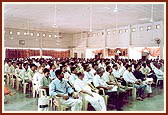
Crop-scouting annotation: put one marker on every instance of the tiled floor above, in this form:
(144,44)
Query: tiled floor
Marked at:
(21,102)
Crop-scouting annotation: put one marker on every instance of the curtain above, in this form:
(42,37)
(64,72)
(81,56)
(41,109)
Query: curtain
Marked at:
(26,53)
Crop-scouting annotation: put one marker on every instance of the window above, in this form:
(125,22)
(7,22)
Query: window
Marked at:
(25,33)
(50,36)
(108,33)
(126,30)
(31,34)
(18,33)
(149,28)
(44,35)
(120,31)
(10,32)
(38,34)
(133,29)
(98,34)
(158,26)
(94,34)
(141,29)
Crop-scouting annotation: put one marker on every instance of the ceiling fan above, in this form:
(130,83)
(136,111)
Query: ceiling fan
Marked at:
(149,19)
(55,26)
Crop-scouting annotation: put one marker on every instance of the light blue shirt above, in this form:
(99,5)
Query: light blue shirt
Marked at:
(59,87)
(52,74)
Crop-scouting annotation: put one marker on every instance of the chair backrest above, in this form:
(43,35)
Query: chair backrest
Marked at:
(43,93)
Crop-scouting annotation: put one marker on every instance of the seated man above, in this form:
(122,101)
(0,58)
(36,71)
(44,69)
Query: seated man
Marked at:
(44,81)
(18,69)
(31,73)
(36,77)
(159,74)
(111,80)
(52,71)
(60,88)
(95,99)
(24,74)
(130,79)
(109,90)
(146,81)
(117,75)
(73,76)
(87,75)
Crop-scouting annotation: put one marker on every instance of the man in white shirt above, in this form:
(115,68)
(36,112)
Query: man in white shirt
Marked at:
(18,69)
(111,91)
(118,75)
(24,73)
(93,69)
(36,77)
(8,67)
(130,79)
(95,99)
(73,76)
(159,74)
(88,76)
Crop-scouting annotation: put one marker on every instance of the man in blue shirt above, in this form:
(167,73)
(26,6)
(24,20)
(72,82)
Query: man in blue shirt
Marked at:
(52,72)
(60,88)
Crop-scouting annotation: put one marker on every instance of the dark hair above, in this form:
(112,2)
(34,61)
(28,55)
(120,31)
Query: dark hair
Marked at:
(136,65)
(13,62)
(94,64)
(32,65)
(58,72)
(79,74)
(108,68)
(73,68)
(144,64)
(127,66)
(9,61)
(115,65)
(51,65)
(25,64)
(19,63)
(85,67)
(46,70)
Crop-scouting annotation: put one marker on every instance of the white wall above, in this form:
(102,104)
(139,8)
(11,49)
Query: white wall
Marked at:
(146,38)
(118,39)
(81,41)
(127,39)
(34,41)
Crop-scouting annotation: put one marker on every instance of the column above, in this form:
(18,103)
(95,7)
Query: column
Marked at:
(130,42)
(105,52)
(41,48)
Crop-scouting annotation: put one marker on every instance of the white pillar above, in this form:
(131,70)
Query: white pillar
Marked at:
(130,42)
(105,52)
(41,48)
(71,52)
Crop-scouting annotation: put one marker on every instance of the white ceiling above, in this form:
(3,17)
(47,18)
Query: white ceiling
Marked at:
(73,18)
